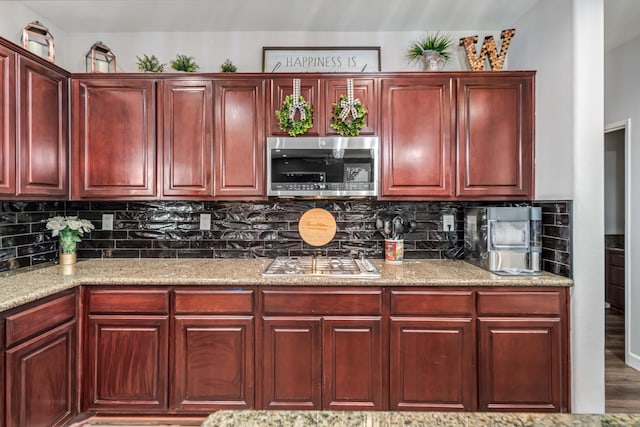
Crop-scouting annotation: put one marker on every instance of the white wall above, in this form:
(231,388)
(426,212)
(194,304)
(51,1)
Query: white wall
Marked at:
(622,102)
(244,49)
(13,18)
(587,299)
(544,42)
(614,182)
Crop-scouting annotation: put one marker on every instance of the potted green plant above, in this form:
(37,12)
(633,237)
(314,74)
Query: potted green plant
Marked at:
(184,63)
(228,67)
(149,64)
(433,49)
(70,229)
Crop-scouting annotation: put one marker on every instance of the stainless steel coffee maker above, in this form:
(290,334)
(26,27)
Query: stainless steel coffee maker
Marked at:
(504,240)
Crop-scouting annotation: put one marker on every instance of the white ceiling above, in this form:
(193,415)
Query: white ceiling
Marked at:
(621,16)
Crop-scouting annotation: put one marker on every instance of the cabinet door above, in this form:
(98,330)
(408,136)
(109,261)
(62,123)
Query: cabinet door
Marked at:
(127,363)
(42,130)
(239,139)
(495,137)
(364,89)
(187,135)
(41,379)
(352,364)
(416,138)
(213,363)
(309,90)
(291,363)
(7,122)
(432,364)
(520,365)
(114,139)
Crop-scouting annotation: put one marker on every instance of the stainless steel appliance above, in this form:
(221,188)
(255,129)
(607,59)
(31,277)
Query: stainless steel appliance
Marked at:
(344,267)
(504,240)
(322,166)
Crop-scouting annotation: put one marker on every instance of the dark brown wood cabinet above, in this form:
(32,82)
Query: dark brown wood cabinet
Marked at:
(322,349)
(113,138)
(7,121)
(458,136)
(320,93)
(186,135)
(522,351)
(239,139)
(213,363)
(416,137)
(432,352)
(615,278)
(34,136)
(41,363)
(495,152)
(42,130)
(291,363)
(126,351)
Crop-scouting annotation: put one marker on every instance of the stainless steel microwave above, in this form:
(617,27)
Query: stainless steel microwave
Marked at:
(322,166)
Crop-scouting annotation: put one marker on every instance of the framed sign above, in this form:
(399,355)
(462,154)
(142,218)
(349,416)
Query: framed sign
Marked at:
(320,59)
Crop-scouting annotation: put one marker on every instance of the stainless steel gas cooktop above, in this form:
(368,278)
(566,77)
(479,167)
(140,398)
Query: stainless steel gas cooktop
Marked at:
(321,266)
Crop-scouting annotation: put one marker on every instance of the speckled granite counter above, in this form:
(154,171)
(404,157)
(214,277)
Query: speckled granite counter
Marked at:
(22,287)
(411,419)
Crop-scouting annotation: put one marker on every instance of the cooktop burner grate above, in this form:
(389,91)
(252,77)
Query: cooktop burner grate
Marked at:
(321,266)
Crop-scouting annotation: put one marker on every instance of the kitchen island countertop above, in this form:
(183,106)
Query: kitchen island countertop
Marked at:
(31,284)
(248,418)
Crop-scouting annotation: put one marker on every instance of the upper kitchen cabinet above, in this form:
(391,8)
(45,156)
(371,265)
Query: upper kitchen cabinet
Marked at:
(7,121)
(320,94)
(186,132)
(309,90)
(496,136)
(34,132)
(364,89)
(114,138)
(239,137)
(416,135)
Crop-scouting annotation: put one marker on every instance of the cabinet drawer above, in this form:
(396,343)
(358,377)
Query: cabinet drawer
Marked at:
(331,302)
(519,303)
(128,301)
(616,258)
(39,318)
(213,302)
(616,275)
(415,302)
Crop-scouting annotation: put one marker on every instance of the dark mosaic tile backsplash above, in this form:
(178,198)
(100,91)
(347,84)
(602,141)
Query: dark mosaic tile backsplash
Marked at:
(166,229)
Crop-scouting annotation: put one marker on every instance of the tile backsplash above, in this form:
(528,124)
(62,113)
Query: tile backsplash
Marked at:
(171,229)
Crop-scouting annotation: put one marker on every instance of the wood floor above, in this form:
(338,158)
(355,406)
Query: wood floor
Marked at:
(622,383)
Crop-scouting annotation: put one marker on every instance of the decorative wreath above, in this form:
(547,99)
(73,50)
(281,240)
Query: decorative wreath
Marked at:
(348,117)
(286,115)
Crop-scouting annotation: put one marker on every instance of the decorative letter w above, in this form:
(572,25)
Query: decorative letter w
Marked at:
(488,47)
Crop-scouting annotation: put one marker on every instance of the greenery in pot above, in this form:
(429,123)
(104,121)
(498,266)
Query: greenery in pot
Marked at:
(184,63)
(70,229)
(440,43)
(228,67)
(149,64)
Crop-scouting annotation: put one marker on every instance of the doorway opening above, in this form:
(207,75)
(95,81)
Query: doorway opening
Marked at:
(622,378)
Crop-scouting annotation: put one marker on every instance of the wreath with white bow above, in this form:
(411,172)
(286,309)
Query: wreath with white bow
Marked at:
(293,105)
(348,113)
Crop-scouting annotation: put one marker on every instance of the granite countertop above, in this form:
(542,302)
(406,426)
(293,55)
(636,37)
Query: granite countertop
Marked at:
(26,286)
(248,418)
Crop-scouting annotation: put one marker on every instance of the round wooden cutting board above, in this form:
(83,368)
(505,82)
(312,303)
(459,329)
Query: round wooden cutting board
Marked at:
(317,227)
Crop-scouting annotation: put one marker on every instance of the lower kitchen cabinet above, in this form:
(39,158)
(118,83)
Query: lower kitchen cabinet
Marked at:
(614,278)
(40,363)
(322,349)
(523,351)
(291,363)
(126,354)
(213,364)
(432,350)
